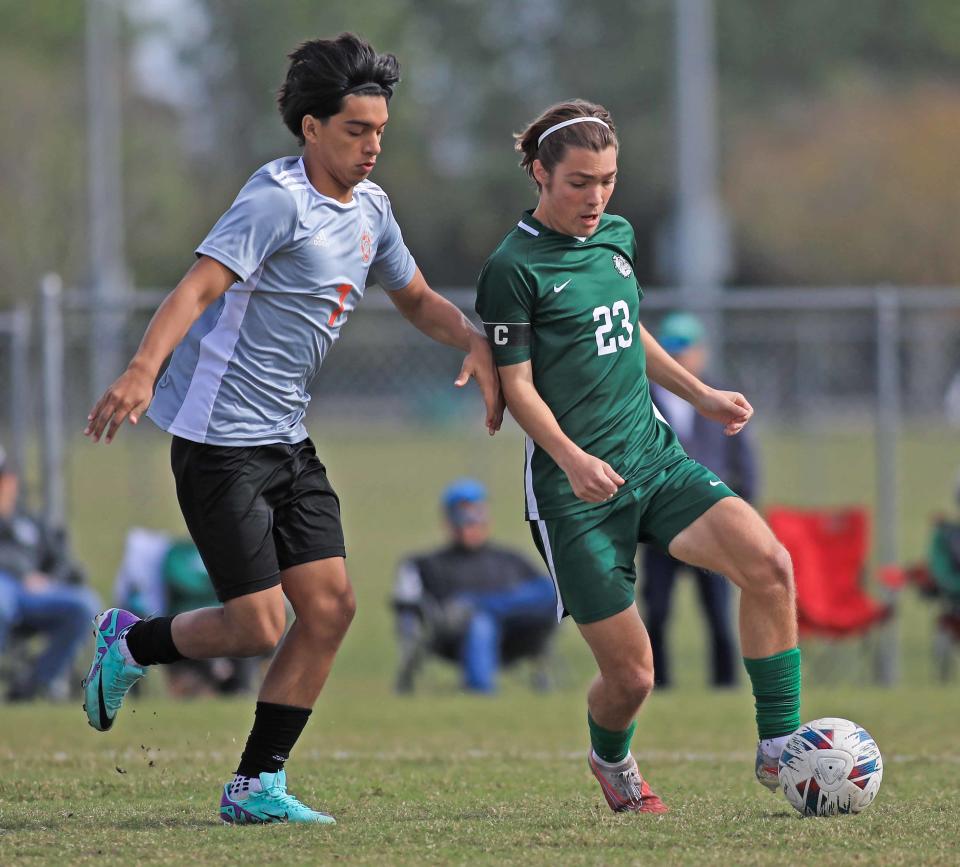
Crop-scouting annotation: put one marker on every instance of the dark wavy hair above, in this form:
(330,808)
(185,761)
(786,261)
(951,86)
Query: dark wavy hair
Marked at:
(323,71)
(592,136)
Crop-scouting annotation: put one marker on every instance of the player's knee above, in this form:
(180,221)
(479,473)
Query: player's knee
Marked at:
(635,683)
(332,611)
(344,608)
(263,634)
(781,570)
(260,643)
(773,574)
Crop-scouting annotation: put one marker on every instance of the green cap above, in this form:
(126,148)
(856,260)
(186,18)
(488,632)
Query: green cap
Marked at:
(680,331)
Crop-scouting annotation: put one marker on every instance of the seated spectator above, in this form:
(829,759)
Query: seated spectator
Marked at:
(943,557)
(41,593)
(940,579)
(163,575)
(470,601)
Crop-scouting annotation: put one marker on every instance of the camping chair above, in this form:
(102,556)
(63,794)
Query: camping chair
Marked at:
(429,630)
(936,580)
(829,549)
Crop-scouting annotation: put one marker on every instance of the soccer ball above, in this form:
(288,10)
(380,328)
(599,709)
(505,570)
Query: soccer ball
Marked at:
(830,766)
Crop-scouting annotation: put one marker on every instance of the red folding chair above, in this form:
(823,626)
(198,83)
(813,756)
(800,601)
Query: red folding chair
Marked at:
(829,549)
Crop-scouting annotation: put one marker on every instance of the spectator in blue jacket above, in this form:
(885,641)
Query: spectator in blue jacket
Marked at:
(734,460)
(40,593)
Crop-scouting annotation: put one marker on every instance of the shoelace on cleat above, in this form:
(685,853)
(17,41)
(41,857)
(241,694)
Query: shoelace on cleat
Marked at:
(283,799)
(630,784)
(118,687)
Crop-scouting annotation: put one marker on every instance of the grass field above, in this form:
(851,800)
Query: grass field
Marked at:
(454,779)
(445,778)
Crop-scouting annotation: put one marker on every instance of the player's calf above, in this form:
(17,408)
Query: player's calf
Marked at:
(776,682)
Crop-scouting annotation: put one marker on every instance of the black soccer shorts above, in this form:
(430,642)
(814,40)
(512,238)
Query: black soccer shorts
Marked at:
(254,511)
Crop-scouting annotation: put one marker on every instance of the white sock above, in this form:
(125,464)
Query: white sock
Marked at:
(605,764)
(242,786)
(125,651)
(774,746)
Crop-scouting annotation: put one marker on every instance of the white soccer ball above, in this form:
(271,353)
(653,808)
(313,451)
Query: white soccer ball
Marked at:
(830,766)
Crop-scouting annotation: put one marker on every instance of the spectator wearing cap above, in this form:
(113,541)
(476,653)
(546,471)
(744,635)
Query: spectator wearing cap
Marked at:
(40,593)
(734,460)
(470,601)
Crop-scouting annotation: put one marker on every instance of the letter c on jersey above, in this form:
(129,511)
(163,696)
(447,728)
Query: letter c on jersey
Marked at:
(500,335)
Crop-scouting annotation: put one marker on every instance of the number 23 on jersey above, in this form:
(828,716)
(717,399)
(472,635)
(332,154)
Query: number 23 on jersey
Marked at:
(607,342)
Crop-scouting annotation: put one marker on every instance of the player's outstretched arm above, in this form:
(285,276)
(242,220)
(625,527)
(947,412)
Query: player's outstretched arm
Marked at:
(592,480)
(730,408)
(131,394)
(436,317)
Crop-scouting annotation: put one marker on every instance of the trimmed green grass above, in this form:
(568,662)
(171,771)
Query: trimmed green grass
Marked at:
(443,778)
(446,778)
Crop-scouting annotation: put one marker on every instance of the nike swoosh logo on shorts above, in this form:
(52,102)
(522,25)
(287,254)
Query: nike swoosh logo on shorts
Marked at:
(561,287)
(716,482)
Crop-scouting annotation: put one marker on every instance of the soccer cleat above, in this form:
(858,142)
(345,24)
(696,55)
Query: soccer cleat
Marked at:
(241,805)
(110,676)
(624,788)
(767,769)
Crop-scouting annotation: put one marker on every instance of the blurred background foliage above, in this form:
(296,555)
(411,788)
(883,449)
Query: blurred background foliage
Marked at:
(839,124)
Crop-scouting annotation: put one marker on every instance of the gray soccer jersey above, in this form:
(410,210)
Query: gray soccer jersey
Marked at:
(240,375)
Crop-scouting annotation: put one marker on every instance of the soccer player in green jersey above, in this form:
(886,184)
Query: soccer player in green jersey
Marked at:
(603,470)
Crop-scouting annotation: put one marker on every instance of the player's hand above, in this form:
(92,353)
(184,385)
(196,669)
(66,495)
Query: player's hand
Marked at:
(128,397)
(592,480)
(730,408)
(479,364)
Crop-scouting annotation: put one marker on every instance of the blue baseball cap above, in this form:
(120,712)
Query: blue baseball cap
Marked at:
(679,331)
(460,502)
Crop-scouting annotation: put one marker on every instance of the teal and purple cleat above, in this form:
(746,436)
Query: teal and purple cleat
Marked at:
(110,676)
(240,804)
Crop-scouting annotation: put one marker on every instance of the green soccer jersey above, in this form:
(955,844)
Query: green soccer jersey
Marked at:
(570,306)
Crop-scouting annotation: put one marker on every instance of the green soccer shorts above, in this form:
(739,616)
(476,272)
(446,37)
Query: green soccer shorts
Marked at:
(591,554)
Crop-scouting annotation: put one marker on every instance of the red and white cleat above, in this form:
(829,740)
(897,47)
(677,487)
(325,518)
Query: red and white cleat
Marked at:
(624,788)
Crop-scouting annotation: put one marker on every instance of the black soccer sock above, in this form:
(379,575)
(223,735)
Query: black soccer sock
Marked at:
(276,728)
(150,642)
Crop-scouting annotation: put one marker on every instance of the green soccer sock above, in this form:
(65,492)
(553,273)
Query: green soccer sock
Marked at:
(611,746)
(776,688)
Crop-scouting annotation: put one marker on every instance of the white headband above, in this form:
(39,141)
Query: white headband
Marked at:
(573,120)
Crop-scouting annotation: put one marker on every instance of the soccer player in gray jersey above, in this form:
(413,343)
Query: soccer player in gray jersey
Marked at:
(249,325)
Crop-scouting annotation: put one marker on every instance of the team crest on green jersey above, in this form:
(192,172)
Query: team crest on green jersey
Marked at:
(622,265)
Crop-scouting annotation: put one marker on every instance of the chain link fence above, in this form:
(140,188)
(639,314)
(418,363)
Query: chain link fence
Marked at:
(853,367)
(808,359)
(805,356)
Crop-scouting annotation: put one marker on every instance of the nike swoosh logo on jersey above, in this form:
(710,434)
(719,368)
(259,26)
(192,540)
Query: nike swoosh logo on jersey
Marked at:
(561,287)
(716,482)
